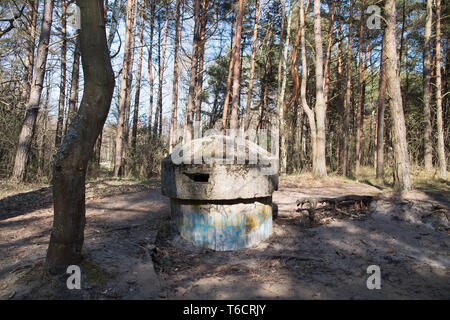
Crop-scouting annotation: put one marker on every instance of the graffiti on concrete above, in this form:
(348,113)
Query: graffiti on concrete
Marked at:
(226,227)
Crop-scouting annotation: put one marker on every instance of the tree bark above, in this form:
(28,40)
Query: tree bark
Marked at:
(189,125)
(326,72)
(281,94)
(129,85)
(62,85)
(348,94)
(71,161)
(73,100)
(309,112)
(359,110)
(380,111)
(439,120)
(234,120)
(320,170)
(252,67)
(401,166)
(138,82)
(157,128)
(176,62)
(114,21)
(33,8)
(150,67)
(428,157)
(201,58)
(29,125)
(226,103)
(118,165)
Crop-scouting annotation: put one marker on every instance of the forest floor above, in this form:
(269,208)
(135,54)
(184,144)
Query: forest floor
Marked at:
(132,250)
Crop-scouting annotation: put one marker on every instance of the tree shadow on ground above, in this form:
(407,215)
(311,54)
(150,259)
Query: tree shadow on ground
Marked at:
(127,237)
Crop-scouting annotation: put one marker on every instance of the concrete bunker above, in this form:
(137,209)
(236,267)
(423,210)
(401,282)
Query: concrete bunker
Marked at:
(220,191)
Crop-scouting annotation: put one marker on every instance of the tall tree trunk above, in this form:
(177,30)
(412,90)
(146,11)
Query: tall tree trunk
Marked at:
(150,66)
(326,72)
(309,112)
(71,161)
(118,165)
(401,167)
(402,35)
(115,17)
(176,61)
(252,67)
(281,93)
(138,82)
(340,86)
(73,100)
(29,125)
(158,121)
(43,145)
(188,127)
(428,157)
(294,102)
(348,94)
(359,110)
(129,84)
(62,86)
(380,112)
(201,58)
(33,7)
(320,170)
(439,122)
(226,103)
(234,120)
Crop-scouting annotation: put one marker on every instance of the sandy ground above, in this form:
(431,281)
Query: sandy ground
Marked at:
(132,250)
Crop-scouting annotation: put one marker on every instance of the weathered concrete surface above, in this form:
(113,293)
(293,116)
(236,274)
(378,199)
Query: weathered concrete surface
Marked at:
(211,176)
(221,191)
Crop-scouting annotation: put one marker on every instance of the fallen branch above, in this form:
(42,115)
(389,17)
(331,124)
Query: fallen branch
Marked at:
(348,198)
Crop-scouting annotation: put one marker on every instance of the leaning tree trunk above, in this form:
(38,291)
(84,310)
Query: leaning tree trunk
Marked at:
(439,122)
(29,125)
(401,169)
(71,161)
(33,8)
(116,12)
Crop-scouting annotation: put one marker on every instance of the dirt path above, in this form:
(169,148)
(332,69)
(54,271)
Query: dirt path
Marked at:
(133,252)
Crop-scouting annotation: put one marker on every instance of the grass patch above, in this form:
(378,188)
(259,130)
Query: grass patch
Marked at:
(8,188)
(94,274)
